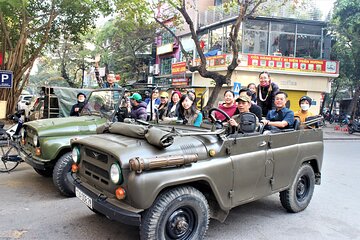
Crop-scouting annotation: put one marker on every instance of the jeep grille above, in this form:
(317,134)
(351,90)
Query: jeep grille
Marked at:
(95,166)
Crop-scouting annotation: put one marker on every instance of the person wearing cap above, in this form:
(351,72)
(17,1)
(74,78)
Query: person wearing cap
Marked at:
(173,107)
(76,108)
(243,106)
(255,109)
(152,103)
(303,113)
(163,107)
(281,117)
(138,107)
(228,106)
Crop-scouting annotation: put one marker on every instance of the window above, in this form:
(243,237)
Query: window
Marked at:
(227,47)
(166,65)
(308,46)
(282,43)
(167,37)
(255,42)
(256,37)
(309,29)
(283,27)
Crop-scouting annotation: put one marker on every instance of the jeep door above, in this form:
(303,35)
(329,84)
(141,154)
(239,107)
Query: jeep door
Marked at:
(285,150)
(252,169)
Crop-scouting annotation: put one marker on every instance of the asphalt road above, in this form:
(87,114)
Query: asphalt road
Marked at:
(31,208)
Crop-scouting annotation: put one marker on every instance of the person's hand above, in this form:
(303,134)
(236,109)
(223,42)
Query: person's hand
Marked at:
(76,109)
(265,121)
(233,123)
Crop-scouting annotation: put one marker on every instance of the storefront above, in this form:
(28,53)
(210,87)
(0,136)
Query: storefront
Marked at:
(296,76)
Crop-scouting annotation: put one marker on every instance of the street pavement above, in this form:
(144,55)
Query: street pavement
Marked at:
(335,132)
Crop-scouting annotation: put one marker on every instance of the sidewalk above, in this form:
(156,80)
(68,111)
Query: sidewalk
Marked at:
(335,132)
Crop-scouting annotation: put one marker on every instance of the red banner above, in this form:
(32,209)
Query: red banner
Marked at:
(213,62)
(178,68)
(1,58)
(293,64)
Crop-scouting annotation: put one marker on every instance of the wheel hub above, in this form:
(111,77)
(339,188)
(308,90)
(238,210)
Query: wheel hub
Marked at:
(302,188)
(180,224)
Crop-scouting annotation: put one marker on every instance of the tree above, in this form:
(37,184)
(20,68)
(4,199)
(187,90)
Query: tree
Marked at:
(28,26)
(122,43)
(178,12)
(346,27)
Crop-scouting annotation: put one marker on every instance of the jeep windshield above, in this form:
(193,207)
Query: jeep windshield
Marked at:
(103,103)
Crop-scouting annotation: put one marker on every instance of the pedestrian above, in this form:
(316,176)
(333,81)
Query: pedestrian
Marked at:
(280,117)
(266,92)
(188,113)
(76,108)
(138,107)
(228,106)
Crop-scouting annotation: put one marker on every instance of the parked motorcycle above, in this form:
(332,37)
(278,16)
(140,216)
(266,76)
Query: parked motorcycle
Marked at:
(354,126)
(345,120)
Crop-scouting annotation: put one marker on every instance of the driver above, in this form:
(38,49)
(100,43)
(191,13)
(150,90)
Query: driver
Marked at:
(243,106)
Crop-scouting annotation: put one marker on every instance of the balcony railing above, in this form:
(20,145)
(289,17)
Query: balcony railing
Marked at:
(218,13)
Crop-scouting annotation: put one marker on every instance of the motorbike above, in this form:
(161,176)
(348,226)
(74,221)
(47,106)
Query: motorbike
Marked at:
(13,130)
(345,120)
(354,126)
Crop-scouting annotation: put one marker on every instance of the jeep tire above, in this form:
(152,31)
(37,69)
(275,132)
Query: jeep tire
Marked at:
(178,213)
(62,167)
(298,196)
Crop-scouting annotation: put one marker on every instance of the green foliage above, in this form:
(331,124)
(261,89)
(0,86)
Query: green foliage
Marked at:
(122,44)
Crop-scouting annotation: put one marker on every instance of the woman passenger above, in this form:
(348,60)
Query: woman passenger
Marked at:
(188,112)
(173,107)
(266,91)
(228,106)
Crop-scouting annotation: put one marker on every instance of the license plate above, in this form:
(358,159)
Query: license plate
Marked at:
(83,197)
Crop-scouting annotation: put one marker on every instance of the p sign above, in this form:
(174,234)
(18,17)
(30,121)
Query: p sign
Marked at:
(6,79)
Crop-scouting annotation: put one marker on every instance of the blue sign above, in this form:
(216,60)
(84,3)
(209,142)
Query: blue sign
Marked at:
(237,87)
(6,79)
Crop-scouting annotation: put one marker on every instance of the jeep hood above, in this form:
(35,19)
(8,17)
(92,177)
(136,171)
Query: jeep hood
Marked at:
(66,126)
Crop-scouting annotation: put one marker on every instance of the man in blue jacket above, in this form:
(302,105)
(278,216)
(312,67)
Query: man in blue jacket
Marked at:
(138,107)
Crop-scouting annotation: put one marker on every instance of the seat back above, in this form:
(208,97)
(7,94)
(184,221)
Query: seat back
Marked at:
(248,123)
(296,125)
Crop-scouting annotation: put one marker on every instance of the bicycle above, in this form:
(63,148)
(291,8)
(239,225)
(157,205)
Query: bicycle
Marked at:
(10,145)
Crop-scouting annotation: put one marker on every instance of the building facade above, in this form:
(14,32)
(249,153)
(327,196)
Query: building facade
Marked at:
(294,51)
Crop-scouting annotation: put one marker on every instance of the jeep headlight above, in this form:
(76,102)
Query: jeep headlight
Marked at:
(115,173)
(75,154)
(35,140)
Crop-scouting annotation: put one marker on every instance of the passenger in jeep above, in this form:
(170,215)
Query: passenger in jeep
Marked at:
(188,112)
(138,107)
(243,106)
(281,117)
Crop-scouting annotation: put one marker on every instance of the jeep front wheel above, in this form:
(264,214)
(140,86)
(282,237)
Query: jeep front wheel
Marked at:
(179,213)
(298,196)
(62,167)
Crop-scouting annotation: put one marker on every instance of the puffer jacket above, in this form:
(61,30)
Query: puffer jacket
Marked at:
(139,112)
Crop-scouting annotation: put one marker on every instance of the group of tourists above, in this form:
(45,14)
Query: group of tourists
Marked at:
(265,101)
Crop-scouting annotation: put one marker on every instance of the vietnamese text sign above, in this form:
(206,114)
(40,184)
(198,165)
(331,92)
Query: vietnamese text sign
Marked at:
(213,62)
(178,68)
(6,79)
(293,64)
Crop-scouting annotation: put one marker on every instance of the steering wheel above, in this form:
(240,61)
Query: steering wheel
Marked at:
(213,119)
(218,123)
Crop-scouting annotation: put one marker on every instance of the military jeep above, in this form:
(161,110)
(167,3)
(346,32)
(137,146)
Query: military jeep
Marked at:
(46,142)
(171,179)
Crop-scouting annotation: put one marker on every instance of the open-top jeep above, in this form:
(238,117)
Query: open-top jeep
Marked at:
(170,180)
(46,142)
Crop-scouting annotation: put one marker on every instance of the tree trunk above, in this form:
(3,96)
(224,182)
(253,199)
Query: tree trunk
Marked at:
(333,98)
(354,102)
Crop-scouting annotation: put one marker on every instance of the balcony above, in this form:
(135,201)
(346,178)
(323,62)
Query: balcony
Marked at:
(217,14)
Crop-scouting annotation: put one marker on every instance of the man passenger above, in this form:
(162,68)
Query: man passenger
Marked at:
(280,117)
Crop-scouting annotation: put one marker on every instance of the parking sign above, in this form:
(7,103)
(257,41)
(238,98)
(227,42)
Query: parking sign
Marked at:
(6,79)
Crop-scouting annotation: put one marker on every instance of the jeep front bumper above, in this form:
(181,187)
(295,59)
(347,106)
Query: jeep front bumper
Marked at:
(101,205)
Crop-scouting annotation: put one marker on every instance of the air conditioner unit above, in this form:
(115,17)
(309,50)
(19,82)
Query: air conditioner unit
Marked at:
(156,69)
(173,60)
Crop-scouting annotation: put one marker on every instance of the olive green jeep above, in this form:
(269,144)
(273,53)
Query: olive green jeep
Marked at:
(46,142)
(171,179)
